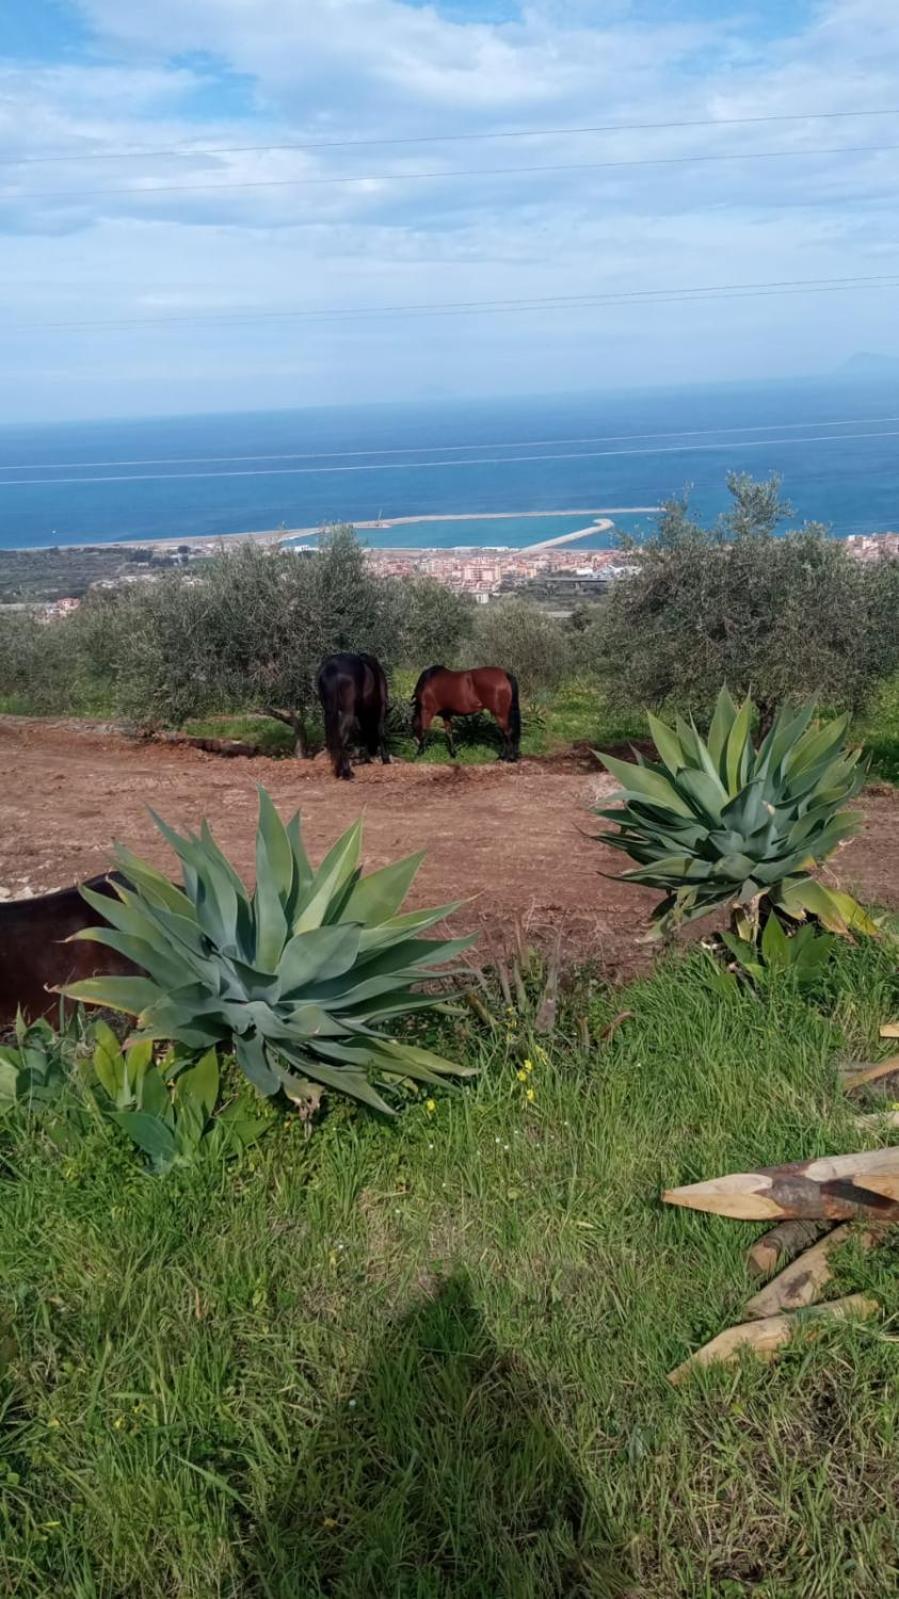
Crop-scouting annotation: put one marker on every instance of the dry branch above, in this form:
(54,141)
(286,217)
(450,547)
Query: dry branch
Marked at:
(833,1187)
(890,1030)
(801,1282)
(869,1074)
(780,1244)
(767,1337)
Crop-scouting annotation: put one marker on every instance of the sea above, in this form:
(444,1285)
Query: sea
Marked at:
(834,443)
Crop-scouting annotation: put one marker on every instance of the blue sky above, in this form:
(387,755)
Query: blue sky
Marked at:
(123,296)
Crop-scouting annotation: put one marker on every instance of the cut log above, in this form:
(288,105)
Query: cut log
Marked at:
(780,1244)
(869,1074)
(801,1283)
(890,1030)
(767,1337)
(832,1187)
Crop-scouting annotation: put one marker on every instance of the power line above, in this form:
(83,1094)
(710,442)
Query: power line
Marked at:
(401,466)
(699,294)
(442,138)
(454,172)
(446,449)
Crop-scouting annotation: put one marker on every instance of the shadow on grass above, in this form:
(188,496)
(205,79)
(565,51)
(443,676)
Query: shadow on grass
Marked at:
(439,1478)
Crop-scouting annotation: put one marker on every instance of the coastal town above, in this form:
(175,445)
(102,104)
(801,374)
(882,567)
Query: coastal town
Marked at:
(52,582)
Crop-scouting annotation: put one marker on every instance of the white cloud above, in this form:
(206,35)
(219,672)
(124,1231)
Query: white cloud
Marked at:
(366,68)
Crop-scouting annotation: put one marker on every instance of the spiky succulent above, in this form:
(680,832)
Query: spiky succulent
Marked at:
(300,979)
(719,821)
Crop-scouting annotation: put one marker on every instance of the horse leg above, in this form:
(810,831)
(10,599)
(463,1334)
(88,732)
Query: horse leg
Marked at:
(425,722)
(380,742)
(340,745)
(505,753)
(448,728)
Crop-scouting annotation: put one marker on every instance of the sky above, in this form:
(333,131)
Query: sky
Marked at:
(177,233)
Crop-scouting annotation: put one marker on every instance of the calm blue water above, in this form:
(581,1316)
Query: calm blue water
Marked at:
(836,446)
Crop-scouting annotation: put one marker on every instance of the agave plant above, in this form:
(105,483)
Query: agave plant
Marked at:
(299,979)
(719,821)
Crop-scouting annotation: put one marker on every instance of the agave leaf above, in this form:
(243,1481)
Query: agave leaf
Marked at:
(302,867)
(340,862)
(377,897)
(689,739)
(375,939)
(161,966)
(274,849)
(424,1058)
(346,1080)
(640,781)
(152,884)
(667,743)
(707,793)
(786,730)
(816,745)
(130,994)
(253,1061)
(719,731)
(317,956)
(738,754)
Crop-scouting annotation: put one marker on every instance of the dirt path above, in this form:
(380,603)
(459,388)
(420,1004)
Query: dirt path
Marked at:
(510,838)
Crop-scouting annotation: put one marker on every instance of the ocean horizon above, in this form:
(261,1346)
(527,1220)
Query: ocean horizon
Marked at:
(835,445)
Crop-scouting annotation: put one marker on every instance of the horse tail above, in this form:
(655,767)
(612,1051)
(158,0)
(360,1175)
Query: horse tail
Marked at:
(514,711)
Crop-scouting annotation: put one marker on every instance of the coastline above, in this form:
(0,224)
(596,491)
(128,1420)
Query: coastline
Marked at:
(280,535)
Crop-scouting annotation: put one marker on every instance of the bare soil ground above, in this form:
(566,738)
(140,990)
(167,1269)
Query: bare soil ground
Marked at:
(512,840)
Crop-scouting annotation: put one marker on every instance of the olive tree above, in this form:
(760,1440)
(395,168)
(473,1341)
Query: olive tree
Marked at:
(786,616)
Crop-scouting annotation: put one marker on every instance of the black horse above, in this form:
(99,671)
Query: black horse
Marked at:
(353,692)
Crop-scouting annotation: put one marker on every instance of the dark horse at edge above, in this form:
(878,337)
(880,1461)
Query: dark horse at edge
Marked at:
(440,692)
(353,694)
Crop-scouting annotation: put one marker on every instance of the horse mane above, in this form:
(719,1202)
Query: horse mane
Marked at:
(427,674)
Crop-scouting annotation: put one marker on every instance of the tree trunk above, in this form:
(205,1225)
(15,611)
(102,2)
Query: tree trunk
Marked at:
(297,723)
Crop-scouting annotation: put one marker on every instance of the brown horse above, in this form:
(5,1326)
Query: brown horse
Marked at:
(440,692)
(35,958)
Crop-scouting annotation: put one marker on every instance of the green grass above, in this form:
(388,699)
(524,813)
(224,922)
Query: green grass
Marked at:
(881,733)
(427,1360)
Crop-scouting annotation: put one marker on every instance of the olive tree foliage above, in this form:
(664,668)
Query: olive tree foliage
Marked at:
(526,641)
(245,630)
(432,622)
(37,670)
(786,617)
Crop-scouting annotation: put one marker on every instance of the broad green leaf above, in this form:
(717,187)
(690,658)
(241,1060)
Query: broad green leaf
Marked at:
(153,884)
(379,896)
(719,730)
(345,1080)
(164,968)
(253,1062)
(200,1084)
(667,743)
(637,781)
(736,758)
(131,994)
(149,1133)
(338,864)
(316,956)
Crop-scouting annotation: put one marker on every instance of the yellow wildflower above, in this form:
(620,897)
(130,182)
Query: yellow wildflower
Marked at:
(522,1076)
(528,1066)
(530,1095)
(430,1106)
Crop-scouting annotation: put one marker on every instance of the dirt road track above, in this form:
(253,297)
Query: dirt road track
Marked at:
(510,838)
